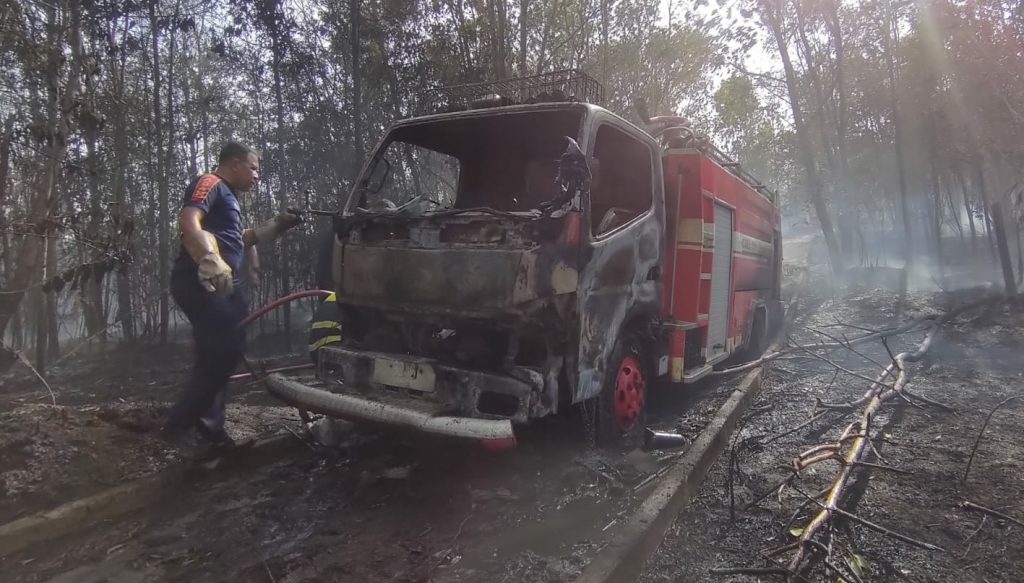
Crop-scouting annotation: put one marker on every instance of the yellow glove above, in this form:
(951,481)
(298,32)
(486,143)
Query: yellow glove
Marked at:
(214,274)
(271,229)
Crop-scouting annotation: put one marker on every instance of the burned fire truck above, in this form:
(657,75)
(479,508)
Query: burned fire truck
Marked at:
(526,252)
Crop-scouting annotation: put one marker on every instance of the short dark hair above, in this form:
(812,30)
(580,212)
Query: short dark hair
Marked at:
(235,151)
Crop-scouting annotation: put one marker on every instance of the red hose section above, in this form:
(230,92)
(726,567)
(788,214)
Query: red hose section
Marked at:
(282,301)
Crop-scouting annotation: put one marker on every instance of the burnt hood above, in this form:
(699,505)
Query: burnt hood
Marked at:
(464,263)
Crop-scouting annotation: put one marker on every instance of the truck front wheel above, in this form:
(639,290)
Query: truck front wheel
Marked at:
(623,398)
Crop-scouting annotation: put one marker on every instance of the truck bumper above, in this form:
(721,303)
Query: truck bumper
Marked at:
(393,413)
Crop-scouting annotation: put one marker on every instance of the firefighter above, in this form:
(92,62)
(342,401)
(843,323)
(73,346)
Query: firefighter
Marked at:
(207,287)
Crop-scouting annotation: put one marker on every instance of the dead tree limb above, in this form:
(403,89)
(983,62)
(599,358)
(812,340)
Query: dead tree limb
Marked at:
(830,362)
(876,527)
(859,433)
(876,397)
(750,571)
(836,343)
(914,396)
(49,389)
(972,506)
(847,346)
(977,441)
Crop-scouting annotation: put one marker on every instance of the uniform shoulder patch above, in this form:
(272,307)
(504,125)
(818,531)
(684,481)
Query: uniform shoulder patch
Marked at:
(204,186)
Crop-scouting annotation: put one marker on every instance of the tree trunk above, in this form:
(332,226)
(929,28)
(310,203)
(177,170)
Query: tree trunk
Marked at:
(842,115)
(125,314)
(1003,247)
(524,8)
(967,206)
(936,192)
(52,321)
(1020,255)
(357,89)
(986,208)
(818,115)
(59,114)
(189,105)
(605,17)
(501,59)
(39,310)
(804,145)
(277,49)
(5,158)
(92,292)
(889,43)
(163,211)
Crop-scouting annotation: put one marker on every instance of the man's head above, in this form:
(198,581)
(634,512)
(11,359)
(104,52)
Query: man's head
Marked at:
(239,165)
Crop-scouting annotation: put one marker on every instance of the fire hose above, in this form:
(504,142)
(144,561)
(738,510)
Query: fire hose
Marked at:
(263,311)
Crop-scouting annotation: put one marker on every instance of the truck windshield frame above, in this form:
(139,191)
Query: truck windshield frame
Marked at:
(502,160)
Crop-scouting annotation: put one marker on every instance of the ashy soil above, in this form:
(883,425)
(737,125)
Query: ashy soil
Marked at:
(102,430)
(382,506)
(975,363)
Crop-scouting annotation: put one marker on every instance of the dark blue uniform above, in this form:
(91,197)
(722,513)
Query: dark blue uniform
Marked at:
(219,342)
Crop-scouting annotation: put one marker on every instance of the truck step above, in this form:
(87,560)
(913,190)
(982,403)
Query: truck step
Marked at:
(692,375)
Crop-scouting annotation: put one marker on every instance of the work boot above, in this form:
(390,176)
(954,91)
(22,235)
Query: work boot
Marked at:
(217,437)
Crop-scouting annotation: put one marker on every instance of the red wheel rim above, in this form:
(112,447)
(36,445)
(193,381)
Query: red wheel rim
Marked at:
(630,392)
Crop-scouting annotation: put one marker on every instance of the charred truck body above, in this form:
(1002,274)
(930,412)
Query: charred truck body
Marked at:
(511,260)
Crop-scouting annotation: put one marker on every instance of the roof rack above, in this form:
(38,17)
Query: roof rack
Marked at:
(683,136)
(736,169)
(572,85)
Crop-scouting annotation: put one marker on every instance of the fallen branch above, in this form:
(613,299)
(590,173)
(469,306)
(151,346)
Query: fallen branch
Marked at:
(876,397)
(872,391)
(849,347)
(977,441)
(914,396)
(887,532)
(799,427)
(750,571)
(750,365)
(910,326)
(83,342)
(800,509)
(887,333)
(876,527)
(859,433)
(881,467)
(972,506)
(21,357)
(843,369)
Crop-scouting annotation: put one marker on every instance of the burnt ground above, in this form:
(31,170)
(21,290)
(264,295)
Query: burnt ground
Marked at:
(976,362)
(385,507)
(101,430)
(394,507)
(380,507)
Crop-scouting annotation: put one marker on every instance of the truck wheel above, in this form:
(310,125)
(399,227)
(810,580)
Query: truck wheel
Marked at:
(621,404)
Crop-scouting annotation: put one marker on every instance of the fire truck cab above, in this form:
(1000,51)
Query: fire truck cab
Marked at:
(527,251)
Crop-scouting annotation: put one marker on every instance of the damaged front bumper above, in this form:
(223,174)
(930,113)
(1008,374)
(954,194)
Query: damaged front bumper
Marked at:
(415,392)
(394,412)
